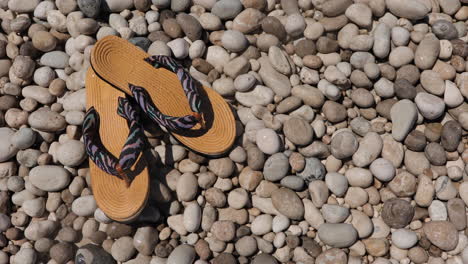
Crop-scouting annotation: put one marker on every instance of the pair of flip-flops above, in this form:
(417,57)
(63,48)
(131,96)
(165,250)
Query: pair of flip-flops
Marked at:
(125,84)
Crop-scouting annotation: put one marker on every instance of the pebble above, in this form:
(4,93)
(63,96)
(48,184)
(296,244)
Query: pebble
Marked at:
(430,106)
(223,230)
(246,246)
(437,211)
(268,141)
(369,149)
(404,238)
(55,59)
(262,224)
(313,170)
(456,212)
(337,183)
(295,25)
(442,234)
(183,254)
(234,41)
(451,135)
(226,9)
(288,203)
(397,213)
(276,167)
(192,217)
(26,256)
(337,235)
(427,52)
(334,213)
(278,82)
(359,177)
(360,14)
(84,205)
(71,153)
(444,29)
(404,115)
(343,145)
(260,95)
(187,187)
(432,82)
(410,10)
(382,169)
(7,150)
(49,178)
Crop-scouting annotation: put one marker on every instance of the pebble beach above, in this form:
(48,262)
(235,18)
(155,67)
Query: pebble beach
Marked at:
(351,142)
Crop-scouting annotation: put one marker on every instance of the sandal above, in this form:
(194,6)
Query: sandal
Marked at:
(160,85)
(120,185)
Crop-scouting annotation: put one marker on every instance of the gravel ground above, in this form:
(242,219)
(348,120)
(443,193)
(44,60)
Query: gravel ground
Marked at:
(352,139)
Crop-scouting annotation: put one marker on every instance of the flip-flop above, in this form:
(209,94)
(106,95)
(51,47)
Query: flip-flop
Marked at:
(196,116)
(115,143)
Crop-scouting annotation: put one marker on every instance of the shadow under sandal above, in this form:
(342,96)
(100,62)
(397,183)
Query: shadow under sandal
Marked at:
(111,129)
(196,116)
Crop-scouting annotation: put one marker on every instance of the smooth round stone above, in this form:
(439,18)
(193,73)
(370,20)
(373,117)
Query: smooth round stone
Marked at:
(84,206)
(432,82)
(262,224)
(122,249)
(343,145)
(93,254)
(187,187)
(298,131)
(430,106)
(334,213)
(400,36)
(90,8)
(23,138)
(7,151)
(44,41)
(404,114)
(276,167)
(223,230)
(451,135)
(293,182)
(26,256)
(400,56)
(441,234)
(49,178)
(71,153)
(227,9)
(412,9)
(295,25)
(404,238)
(337,183)
(222,167)
(192,217)
(382,169)
(238,198)
(359,177)
(313,170)
(360,14)
(246,246)
(268,141)
(234,41)
(397,213)
(244,82)
(55,59)
(444,29)
(190,25)
(288,203)
(337,235)
(280,223)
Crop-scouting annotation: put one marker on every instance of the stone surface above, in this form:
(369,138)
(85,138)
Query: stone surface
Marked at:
(442,234)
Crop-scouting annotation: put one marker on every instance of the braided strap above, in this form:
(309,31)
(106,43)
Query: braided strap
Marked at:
(189,86)
(130,151)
